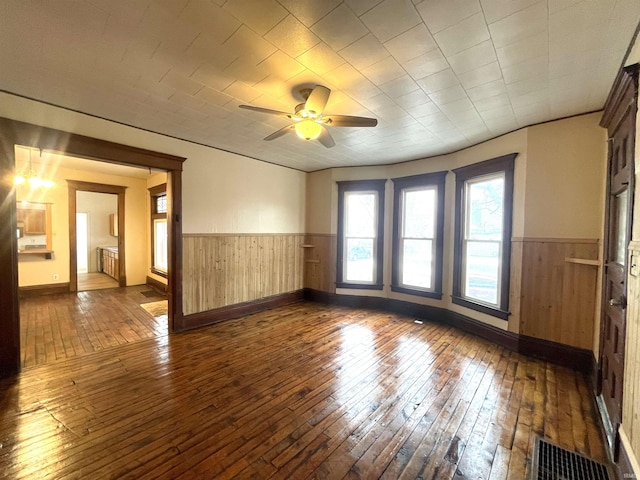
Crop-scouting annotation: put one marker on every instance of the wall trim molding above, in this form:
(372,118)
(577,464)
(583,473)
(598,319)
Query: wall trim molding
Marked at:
(158,285)
(555,240)
(576,358)
(210,317)
(46,289)
(242,234)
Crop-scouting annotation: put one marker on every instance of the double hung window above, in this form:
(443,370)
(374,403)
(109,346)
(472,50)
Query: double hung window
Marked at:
(482,245)
(360,234)
(159,232)
(418,218)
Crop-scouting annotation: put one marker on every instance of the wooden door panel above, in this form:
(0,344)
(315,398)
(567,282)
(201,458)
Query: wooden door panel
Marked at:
(615,276)
(619,119)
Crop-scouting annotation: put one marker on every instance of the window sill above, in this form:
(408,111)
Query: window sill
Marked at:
(479,307)
(417,293)
(361,286)
(159,272)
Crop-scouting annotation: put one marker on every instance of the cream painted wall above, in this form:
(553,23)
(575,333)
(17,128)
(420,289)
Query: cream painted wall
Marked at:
(222,192)
(319,202)
(37,271)
(227,193)
(565,168)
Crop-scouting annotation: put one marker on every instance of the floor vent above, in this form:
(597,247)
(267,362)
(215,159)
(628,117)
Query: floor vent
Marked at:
(551,462)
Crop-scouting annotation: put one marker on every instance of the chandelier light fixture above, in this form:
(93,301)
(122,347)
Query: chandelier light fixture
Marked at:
(30,176)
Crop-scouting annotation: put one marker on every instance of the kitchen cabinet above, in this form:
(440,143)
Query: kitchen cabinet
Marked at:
(110,264)
(34,221)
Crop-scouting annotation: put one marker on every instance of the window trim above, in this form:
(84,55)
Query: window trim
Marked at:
(154,193)
(504,163)
(377,186)
(428,180)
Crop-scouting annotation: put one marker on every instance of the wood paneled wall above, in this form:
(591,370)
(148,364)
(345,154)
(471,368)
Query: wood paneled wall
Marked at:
(320,262)
(221,270)
(559,290)
(630,403)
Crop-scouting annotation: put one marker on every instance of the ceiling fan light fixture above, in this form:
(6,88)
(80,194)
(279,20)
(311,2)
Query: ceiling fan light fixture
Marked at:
(308,129)
(310,120)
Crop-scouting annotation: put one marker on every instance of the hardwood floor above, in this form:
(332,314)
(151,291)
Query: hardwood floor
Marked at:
(95,281)
(304,391)
(63,326)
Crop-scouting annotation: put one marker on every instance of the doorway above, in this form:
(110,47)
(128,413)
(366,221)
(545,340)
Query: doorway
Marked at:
(107,205)
(96,240)
(14,133)
(82,241)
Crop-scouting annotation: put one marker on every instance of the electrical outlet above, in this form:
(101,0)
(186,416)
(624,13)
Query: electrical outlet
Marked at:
(56,276)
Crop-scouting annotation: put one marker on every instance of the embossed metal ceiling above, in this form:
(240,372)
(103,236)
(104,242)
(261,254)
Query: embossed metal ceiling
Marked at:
(439,75)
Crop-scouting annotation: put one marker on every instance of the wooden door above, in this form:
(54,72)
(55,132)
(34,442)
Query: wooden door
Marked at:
(620,125)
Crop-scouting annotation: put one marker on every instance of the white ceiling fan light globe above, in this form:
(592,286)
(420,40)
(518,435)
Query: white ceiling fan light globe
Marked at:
(308,129)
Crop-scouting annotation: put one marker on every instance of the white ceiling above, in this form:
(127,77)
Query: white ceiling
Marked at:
(439,75)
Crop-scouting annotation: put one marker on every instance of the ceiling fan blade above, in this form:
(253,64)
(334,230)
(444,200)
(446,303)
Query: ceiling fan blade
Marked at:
(326,139)
(349,121)
(317,99)
(281,132)
(266,110)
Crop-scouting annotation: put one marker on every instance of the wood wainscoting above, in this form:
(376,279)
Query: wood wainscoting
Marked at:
(320,262)
(229,269)
(559,290)
(630,404)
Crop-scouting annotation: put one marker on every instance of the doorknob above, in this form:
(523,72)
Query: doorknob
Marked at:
(618,302)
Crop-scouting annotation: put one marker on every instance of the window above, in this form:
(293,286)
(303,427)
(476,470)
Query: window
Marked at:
(418,220)
(482,248)
(360,234)
(159,233)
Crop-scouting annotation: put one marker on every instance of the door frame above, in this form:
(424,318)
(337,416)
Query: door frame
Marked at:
(87,232)
(615,109)
(75,187)
(14,133)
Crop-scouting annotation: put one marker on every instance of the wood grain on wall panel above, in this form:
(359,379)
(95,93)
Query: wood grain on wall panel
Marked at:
(222,270)
(630,404)
(515,286)
(320,262)
(559,290)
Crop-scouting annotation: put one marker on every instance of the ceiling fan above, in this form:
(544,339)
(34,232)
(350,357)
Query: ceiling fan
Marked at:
(309,120)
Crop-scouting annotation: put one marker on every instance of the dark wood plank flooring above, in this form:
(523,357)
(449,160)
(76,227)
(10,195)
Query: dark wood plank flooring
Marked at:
(62,326)
(304,391)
